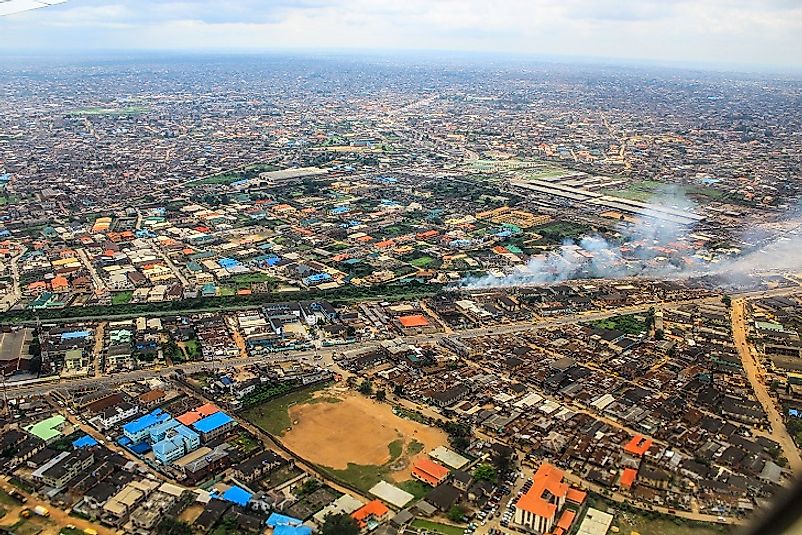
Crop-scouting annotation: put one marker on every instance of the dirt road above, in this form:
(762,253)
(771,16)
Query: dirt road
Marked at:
(53,524)
(754,373)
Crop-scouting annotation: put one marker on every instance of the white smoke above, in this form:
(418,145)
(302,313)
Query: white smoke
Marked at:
(647,248)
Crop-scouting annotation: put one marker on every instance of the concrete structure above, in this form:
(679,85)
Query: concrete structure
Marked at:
(391,494)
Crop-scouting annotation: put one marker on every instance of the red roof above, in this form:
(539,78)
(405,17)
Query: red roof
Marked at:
(576,495)
(430,471)
(628,477)
(566,519)
(190,417)
(547,478)
(638,445)
(415,320)
(375,509)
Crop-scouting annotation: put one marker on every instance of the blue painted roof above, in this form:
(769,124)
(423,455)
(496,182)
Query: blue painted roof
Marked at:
(140,448)
(84,442)
(292,530)
(143,422)
(237,495)
(163,447)
(276,519)
(228,262)
(75,334)
(210,423)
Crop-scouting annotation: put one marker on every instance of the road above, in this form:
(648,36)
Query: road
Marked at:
(503,329)
(57,520)
(11,299)
(97,351)
(96,280)
(755,374)
(327,353)
(170,264)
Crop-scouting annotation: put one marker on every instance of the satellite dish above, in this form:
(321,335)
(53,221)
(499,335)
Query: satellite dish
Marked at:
(9,7)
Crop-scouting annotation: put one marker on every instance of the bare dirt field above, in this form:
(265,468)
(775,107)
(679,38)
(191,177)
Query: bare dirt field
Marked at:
(356,430)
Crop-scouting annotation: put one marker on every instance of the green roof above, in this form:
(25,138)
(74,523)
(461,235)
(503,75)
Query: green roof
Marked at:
(769,326)
(47,430)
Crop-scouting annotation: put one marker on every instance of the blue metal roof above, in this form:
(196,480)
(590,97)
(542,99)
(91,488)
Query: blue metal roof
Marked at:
(210,423)
(276,519)
(237,495)
(292,530)
(75,334)
(84,442)
(143,422)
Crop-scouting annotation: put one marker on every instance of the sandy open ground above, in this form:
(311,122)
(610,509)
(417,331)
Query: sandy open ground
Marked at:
(356,430)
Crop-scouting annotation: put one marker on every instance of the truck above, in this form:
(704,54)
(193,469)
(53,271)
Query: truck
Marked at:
(17,495)
(40,510)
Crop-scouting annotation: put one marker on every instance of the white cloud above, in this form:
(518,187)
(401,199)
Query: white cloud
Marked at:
(738,31)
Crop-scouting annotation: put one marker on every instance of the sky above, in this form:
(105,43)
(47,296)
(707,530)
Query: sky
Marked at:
(760,33)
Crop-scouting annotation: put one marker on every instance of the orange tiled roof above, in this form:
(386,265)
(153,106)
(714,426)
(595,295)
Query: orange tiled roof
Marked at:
(190,417)
(576,495)
(638,445)
(628,477)
(566,519)
(371,509)
(547,478)
(430,468)
(415,320)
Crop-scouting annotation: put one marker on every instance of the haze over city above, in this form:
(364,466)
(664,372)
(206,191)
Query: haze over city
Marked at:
(756,34)
(345,267)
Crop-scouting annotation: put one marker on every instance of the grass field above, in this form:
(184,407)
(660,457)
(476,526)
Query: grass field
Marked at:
(352,438)
(647,190)
(121,298)
(661,526)
(655,524)
(364,477)
(559,231)
(415,487)
(628,324)
(6,499)
(422,262)
(193,348)
(248,278)
(274,416)
(445,529)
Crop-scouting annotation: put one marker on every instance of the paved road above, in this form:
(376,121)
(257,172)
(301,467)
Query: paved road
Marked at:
(755,374)
(96,279)
(167,260)
(503,329)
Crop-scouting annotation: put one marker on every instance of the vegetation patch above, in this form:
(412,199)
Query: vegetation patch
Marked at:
(435,527)
(273,416)
(627,324)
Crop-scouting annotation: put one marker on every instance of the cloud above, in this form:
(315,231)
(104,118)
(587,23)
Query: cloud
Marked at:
(761,32)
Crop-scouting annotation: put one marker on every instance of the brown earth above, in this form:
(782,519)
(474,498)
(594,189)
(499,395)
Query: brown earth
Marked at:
(355,430)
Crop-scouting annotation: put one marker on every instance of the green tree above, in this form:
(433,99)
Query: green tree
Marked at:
(456,513)
(339,524)
(366,388)
(727,300)
(172,526)
(381,395)
(485,472)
